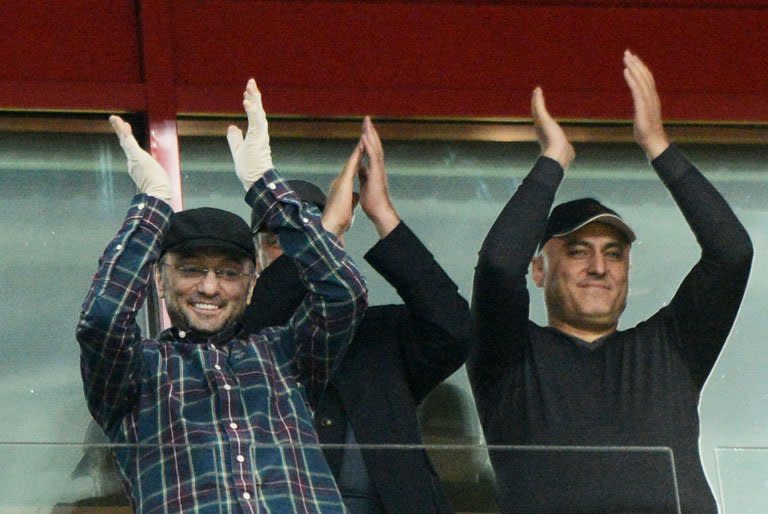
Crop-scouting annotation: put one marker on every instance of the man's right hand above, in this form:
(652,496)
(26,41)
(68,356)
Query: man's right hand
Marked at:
(145,171)
(342,200)
(551,137)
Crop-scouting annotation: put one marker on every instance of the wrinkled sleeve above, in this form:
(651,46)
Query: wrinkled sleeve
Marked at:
(435,335)
(705,305)
(500,298)
(109,337)
(322,327)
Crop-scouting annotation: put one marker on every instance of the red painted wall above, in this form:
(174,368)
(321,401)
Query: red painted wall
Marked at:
(78,54)
(387,58)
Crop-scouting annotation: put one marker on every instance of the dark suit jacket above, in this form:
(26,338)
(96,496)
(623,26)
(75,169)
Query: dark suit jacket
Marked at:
(399,354)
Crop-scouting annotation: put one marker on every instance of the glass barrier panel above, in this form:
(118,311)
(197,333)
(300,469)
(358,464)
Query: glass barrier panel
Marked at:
(742,481)
(450,193)
(62,198)
(73,478)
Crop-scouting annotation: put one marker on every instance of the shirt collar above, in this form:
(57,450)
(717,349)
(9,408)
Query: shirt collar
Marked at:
(194,337)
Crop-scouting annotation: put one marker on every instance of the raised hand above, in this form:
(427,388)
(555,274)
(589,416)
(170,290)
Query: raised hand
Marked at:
(374,192)
(649,128)
(342,200)
(145,171)
(551,137)
(252,155)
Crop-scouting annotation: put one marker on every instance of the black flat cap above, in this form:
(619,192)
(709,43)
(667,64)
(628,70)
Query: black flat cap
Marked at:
(207,227)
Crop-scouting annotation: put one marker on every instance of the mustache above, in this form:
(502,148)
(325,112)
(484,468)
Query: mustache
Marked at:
(213,300)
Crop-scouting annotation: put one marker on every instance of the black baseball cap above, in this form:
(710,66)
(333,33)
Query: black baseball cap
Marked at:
(207,227)
(570,216)
(306,191)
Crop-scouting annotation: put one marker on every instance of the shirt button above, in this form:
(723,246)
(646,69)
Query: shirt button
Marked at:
(272,186)
(240,458)
(119,247)
(246,496)
(217,367)
(227,387)
(326,422)
(182,334)
(233,426)
(305,220)
(141,205)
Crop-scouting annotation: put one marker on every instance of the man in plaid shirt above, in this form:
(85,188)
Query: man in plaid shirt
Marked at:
(206,417)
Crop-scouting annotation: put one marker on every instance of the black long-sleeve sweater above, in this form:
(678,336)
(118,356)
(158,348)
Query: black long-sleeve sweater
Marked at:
(638,387)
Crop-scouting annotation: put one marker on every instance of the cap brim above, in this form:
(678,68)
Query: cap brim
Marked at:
(607,219)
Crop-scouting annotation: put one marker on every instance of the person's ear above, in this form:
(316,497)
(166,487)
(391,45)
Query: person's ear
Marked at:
(537,270)
(251,286)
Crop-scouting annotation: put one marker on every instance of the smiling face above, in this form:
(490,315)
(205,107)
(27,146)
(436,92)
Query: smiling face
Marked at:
(585,280)
(206,291)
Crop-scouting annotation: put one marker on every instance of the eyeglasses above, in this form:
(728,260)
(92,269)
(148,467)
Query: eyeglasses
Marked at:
(195,272)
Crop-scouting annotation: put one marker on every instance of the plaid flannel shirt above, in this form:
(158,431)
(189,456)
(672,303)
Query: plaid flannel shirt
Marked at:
(219,424)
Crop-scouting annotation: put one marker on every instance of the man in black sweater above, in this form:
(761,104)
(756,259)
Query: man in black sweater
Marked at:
(580,381)
(399,353)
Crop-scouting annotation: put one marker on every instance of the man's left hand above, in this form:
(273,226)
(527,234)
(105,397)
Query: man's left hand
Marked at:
(252,155)
(145,171)
(374,191)
(649,128)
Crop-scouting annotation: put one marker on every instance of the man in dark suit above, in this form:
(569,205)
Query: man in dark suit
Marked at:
(399,353)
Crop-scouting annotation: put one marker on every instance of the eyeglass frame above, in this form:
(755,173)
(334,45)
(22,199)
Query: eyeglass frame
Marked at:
(197,273)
